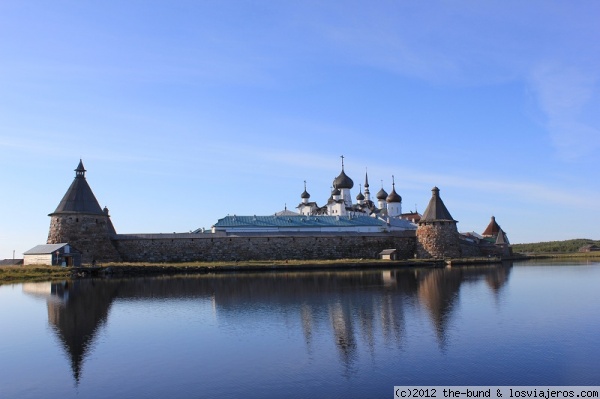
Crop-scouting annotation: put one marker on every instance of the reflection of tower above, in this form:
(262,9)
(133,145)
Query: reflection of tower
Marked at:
(367,324)
(77,318)
(438,290)
(341,321)
(497,277)
(392,317)
(307,322)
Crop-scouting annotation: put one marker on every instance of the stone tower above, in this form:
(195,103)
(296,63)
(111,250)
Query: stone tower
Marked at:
(437,236)
(79,221)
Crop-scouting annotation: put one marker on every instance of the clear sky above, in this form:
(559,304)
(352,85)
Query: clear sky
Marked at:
(186,111)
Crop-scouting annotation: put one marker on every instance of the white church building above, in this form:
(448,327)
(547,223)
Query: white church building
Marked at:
(339,214)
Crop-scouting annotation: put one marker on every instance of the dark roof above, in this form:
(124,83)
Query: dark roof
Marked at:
(79,198)
(436,210)
(492,229)
(305,194)
(44,249)
(382,194)
(343,181)
(394,197)
(502,239)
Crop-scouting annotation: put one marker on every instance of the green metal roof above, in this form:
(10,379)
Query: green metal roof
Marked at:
(298,221)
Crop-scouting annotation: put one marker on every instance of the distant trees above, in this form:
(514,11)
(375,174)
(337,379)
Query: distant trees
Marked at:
(567,246)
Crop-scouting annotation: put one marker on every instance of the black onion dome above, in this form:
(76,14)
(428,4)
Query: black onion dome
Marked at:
(382,194)
(393,197)
(305,194)
(360,196)
(343,181)
(336,191)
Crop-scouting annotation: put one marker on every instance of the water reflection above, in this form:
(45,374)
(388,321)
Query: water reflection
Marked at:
(357,308)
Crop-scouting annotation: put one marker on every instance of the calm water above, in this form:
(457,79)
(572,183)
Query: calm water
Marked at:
(349,334)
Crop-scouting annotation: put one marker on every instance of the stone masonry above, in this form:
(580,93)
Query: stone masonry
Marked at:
(86,233)
(438,240)
(197,247)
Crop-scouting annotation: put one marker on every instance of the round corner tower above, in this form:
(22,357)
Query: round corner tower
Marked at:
(79,221)
(437,235)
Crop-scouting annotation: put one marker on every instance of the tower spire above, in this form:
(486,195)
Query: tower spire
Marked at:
(342,162)
(80,171)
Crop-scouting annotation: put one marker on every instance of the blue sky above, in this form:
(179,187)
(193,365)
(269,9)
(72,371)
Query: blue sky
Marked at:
(186,111)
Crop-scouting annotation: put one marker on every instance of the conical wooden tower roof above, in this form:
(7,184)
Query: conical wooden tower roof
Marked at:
(79,198)
(436,210)
(492,229)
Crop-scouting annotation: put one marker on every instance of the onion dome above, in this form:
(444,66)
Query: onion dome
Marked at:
(360,196)
(382,194)
(343,181)
(336,191)
(305,194)
(393,197)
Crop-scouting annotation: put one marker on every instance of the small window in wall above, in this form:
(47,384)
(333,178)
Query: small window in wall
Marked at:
(77,220)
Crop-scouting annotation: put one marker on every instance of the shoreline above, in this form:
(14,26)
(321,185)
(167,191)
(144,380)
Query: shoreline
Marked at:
(37,273)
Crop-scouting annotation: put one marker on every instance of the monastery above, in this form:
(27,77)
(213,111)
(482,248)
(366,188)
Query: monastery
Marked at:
(340,229)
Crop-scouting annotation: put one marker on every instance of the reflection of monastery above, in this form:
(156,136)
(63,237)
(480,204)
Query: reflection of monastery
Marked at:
(340,229)
(357,309)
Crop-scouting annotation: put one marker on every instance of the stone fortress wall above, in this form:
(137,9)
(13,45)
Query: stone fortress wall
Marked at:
(89,234)
(156,248)
(80,221)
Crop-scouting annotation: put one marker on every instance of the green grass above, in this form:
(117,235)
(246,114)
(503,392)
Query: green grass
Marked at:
(18,274)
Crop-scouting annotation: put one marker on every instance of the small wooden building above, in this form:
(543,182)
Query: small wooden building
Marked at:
(389,254)
(52,254)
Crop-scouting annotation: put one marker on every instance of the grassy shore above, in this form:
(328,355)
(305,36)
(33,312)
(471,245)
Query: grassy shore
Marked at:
(18,274)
